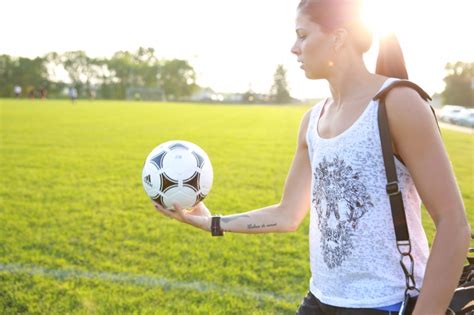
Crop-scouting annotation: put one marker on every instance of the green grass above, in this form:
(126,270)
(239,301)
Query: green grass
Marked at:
(72,206)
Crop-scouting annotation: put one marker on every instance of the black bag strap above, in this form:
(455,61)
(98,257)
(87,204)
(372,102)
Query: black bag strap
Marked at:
(383,93)
(392,187)
(393,191)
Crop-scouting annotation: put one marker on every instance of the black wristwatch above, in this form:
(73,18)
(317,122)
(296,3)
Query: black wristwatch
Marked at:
(216,229)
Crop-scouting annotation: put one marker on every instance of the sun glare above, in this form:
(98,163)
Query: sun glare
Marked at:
(383,16)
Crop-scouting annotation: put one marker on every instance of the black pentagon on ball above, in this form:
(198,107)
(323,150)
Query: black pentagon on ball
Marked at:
(200,197)
(167,183)
(193,182)
(158,160)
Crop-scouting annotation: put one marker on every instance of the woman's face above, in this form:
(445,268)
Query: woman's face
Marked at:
(313,47)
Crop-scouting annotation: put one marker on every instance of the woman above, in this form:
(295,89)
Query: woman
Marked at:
(338,170)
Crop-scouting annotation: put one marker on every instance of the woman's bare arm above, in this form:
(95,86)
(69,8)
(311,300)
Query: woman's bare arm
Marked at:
(288,214)
(285,216)
(417,140)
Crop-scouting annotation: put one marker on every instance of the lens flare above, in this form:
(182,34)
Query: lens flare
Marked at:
(383,17)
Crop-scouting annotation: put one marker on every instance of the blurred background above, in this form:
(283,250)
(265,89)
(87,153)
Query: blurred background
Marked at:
(220,51)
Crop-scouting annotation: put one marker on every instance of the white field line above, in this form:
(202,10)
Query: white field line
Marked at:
(144,280)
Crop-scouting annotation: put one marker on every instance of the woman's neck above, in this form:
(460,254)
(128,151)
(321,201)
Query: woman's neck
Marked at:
(352,83)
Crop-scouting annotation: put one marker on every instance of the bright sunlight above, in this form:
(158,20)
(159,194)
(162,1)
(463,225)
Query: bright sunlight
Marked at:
(385,16)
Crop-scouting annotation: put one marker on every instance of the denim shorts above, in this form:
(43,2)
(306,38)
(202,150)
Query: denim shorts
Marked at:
(312,306)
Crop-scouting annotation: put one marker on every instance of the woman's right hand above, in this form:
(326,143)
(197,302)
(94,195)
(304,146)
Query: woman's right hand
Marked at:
(199,216)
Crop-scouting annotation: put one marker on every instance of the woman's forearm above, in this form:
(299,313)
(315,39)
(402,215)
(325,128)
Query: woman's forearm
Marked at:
(444,269)
(272,219)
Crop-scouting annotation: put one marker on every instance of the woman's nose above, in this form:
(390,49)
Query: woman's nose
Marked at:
(295,49)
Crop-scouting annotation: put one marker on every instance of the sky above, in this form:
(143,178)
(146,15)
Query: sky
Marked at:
(234,45)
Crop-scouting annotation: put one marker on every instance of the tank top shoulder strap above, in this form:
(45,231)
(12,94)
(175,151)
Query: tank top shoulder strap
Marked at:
(313,117)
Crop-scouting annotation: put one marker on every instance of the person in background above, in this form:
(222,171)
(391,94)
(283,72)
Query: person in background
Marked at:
(73,94)
(17,90)
(43,92)
(32,93)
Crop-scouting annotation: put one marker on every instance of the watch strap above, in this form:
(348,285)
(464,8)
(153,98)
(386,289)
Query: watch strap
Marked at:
(216,229)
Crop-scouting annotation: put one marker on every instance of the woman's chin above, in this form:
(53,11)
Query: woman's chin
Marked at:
(314,75)
(311,76)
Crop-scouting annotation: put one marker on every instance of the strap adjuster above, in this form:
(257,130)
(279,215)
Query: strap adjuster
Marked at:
(392,188)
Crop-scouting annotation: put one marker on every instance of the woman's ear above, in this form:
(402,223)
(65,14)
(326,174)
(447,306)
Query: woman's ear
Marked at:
(339,37)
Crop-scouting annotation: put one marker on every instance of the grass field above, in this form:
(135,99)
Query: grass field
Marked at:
(78,235)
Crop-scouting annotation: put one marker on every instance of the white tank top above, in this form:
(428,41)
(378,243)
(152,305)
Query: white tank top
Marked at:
(353,255)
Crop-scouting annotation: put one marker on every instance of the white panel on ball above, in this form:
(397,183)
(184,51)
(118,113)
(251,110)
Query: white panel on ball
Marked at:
(179,164)
(207,176)
(184,196)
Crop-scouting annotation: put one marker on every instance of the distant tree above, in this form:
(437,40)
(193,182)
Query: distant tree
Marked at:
(30,74)
(121,67)
(279,91)
(138,69)
(147,66)
(53,65)
(177,79)
(83,70)
(7,80)
(459,81)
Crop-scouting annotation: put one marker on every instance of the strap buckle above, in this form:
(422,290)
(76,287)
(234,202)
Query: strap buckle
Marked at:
(408,266)
(392,188)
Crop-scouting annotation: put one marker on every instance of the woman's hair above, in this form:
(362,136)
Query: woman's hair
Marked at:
(390,61)
(331,14)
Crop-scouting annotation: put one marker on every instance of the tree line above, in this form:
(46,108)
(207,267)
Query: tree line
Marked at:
(140,73)
(107,78)
(459,81)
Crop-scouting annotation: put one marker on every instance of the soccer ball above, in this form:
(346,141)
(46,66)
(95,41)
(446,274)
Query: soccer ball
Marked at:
(177,172)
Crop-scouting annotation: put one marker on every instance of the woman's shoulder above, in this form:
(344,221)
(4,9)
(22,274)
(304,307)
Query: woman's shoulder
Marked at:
(402,97)
(407,110)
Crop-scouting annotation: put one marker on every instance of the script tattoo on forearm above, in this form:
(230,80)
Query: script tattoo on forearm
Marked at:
(256,226)
(234,217)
